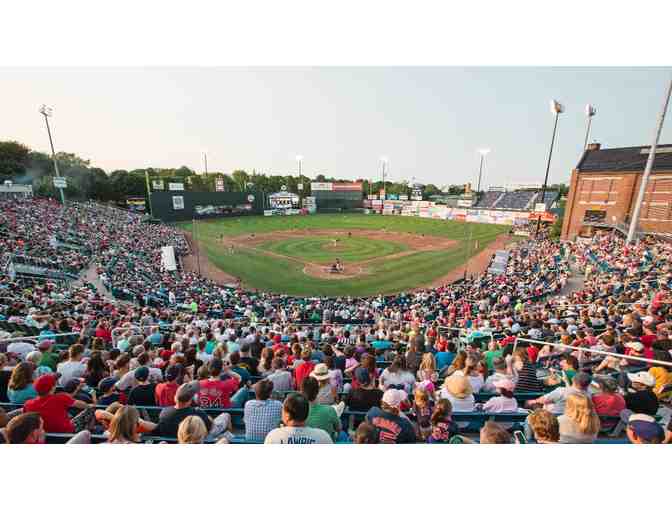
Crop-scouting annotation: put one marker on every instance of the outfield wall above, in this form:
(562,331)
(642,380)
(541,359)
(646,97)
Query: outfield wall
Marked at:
(171,206)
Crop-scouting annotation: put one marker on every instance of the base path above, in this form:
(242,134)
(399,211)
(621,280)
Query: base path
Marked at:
(193,262)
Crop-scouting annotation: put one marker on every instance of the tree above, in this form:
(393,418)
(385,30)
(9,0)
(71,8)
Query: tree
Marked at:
(14,160)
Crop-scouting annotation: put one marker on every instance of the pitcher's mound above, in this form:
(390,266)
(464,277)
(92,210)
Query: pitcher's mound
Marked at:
(324,272)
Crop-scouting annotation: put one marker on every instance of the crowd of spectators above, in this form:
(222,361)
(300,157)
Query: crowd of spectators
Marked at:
(174,357)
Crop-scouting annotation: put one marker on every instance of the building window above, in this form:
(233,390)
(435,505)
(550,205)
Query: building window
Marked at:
(594,216)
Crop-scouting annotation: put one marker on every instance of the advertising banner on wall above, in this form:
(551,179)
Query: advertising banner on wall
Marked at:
(175,186)
(157,184)
(178,202)
(321,186)
(219,184)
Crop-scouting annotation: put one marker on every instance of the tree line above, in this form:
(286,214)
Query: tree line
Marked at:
(22,165)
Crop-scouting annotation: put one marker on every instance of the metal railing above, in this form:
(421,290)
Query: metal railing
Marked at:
(592,351)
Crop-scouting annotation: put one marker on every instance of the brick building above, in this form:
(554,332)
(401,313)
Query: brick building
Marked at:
(604,186)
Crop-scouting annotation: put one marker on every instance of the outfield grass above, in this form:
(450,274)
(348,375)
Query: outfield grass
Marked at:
(281,275)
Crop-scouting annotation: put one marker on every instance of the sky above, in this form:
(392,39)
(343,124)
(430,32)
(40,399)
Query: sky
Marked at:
(429,122)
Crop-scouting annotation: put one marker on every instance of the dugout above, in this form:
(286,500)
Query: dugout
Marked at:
(171,206)
(337,196)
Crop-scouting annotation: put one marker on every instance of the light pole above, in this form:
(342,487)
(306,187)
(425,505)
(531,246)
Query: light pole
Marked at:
(299,160)
(47,112)
(590,113)
(384,161)
(649,166)
(556,110)
(205,162)
(483,153)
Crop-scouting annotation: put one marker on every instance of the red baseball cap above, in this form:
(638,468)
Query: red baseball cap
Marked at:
(45,383)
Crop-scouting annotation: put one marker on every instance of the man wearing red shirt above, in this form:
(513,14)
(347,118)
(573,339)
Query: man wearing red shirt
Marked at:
(52,407)
(305,368)
(215,392)
(165,391)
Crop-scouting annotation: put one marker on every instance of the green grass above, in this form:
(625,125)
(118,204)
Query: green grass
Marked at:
(260,271)
(322,250)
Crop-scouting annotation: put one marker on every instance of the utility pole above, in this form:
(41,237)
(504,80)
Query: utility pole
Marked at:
(649,166)
(590,113)
(47,112)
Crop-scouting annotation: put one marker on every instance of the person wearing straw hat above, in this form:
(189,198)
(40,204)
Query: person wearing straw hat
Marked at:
(327,393)
(457,389)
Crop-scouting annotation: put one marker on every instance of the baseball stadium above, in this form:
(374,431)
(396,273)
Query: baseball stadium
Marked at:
(165,305)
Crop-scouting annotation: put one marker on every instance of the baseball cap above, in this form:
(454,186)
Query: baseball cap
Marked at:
(106,384)
(645,426)
(72,385)
(635,346)
(394,398)
(504,384)
(362,375)
(141,373)
(45,344)
(45,383)
(644,378)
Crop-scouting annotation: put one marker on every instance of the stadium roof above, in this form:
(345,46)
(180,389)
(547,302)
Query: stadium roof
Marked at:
(625,158)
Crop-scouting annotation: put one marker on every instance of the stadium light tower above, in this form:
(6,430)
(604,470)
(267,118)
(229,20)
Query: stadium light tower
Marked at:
(590,113)
(483,153)
(47,112)
(384,161)
(556,110)
(649,167)
(299,160)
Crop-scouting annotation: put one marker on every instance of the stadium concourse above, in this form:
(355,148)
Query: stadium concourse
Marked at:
(167,357)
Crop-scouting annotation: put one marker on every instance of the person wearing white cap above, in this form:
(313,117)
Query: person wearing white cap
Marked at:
(393,426)
(641,398)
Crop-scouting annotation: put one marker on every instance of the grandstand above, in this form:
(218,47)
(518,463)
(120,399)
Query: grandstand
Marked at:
(520,200)
(125,351)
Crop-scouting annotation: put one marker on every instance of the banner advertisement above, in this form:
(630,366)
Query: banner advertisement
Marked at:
(136,204)
(221,210)
(321,186)
(157,184)
(175,186)
(346,186)
(178,203)
(219,184)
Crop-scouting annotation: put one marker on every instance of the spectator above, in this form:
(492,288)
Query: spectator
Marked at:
(442,422)
(171,417)
(124,426)
(504,403)
(107,391)
(608,402)
(192,430)
(305,368)
(326,393)
(294,415)
(261,415)
(494,433)
(48,359)
(53,407)
(320,416)
(642,399)
(281,378)
(392,426)
(5,376)
(366,395)
(500,373)
(20,387)
(457,390)
(555,401)
(73,368)
(144,394)
(366,434)
(545,427)
(643,429)
(26,428)
(579,423)
(166,391)
(217,391)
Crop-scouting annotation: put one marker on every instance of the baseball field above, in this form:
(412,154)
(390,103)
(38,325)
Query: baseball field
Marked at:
(377,254)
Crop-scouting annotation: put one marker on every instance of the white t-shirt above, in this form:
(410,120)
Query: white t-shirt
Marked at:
(70,370)
(297,435)
(21,349)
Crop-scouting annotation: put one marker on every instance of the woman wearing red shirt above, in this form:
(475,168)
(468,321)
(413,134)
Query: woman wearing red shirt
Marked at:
(305,368)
